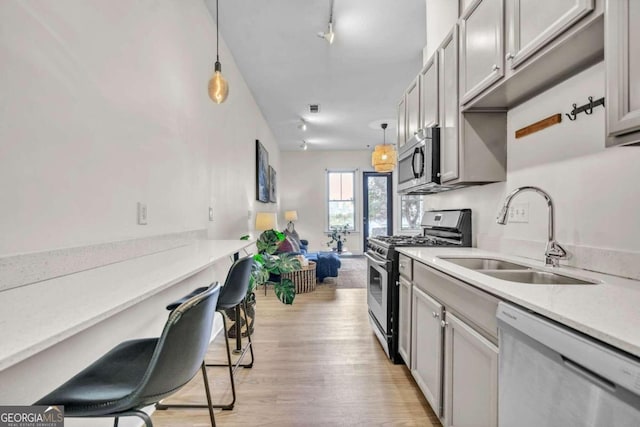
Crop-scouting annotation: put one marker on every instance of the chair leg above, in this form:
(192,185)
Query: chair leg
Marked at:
(133,413)
(229,365)
(203,367)
(250,344)
(233,385)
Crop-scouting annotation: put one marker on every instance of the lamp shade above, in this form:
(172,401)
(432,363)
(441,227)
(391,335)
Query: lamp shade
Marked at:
(291,215)
(266,221)
(383,158)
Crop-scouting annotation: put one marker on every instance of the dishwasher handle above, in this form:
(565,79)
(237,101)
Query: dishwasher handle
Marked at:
(589,375)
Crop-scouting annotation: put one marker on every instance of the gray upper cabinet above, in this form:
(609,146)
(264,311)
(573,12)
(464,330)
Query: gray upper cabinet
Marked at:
(429,93)
(481,47)
(402,123)
(622,58)
(533,24)
(544,43)
(449,107)
(413,108)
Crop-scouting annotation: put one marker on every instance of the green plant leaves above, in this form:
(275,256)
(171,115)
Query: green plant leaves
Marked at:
(285,291)
(269,240)
(266,264)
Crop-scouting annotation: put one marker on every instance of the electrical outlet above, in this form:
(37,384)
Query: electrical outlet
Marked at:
(142,213)
(210,213)
(519,212)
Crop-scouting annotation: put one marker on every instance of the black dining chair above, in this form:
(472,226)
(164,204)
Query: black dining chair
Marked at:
(140,372)
(232,295)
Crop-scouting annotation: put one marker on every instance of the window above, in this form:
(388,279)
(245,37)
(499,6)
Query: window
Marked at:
(411,210)
(341,204)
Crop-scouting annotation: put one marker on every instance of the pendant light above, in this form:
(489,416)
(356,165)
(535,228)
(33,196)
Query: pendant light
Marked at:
(218,86)
(383,158)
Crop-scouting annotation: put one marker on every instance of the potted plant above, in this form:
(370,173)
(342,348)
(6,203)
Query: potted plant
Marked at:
(338,234)
(267,270)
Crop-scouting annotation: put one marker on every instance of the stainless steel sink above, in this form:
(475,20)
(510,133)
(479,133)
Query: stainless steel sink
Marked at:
(485,264)
(537,277)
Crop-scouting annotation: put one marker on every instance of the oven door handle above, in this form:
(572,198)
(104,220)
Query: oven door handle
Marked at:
(375,261)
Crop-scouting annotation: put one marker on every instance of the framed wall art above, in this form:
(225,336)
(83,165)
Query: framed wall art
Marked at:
(272,185)
(262,173)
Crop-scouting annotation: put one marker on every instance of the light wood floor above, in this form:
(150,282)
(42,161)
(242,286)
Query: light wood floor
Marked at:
(317,364)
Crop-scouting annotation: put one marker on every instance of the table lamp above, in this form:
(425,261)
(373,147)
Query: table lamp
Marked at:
(291,216)
(266,221)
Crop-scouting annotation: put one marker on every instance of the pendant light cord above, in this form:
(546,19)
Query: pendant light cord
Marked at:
(217,35)
(384,133)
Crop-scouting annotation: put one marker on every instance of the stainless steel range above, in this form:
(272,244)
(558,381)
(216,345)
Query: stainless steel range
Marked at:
(440,228)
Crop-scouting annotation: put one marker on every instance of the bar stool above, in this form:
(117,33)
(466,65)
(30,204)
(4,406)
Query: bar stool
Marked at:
(232,295)
(138,373)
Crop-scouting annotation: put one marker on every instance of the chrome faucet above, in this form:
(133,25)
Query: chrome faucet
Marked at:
(554,252)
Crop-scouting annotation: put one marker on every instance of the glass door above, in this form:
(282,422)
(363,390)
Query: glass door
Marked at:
(378,209)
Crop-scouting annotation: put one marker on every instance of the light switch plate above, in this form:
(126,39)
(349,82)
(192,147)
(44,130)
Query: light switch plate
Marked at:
(210,213)
(142,213)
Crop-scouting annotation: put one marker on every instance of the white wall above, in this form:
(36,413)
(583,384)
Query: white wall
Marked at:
(303,188)
(106,106)
(441,15)
(594,189)
(102,107)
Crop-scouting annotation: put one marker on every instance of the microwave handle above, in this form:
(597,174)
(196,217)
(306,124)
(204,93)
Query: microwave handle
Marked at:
(413,163)
(420,172)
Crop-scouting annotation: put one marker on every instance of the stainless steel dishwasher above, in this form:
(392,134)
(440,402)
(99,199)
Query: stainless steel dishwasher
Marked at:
(552,376)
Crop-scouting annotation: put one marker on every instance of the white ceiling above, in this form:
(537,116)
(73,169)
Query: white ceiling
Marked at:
(357,80)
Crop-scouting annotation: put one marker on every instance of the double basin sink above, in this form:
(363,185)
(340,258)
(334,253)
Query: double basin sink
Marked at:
(513,272)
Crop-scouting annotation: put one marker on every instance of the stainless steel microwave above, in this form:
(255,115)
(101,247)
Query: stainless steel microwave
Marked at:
(419,165)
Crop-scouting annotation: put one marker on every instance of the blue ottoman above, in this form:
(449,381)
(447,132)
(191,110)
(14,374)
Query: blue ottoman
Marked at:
(327,264)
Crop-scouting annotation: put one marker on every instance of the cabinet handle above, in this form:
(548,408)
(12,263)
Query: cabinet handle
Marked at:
(444,324)
(495,67)
(436,315)
(509,56)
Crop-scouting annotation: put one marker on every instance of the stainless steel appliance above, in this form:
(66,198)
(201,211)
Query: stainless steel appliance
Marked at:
(440,228)
(552,376)
(419,164)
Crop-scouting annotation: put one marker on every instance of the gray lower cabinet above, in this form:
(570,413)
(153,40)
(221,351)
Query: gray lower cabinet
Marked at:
(426,347)
(471,376)
(404,321)
(454,347)
(622,60)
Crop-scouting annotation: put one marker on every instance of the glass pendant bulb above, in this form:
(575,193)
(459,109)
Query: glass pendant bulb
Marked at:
(218,86)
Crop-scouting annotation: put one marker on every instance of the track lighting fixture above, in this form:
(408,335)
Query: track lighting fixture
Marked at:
(329,35)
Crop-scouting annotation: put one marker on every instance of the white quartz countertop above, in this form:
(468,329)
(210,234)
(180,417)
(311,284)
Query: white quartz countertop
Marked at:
(37,316)
(608,311)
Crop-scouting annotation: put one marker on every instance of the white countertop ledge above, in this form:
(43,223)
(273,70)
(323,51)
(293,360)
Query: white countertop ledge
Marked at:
(608,311)
(38,316)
